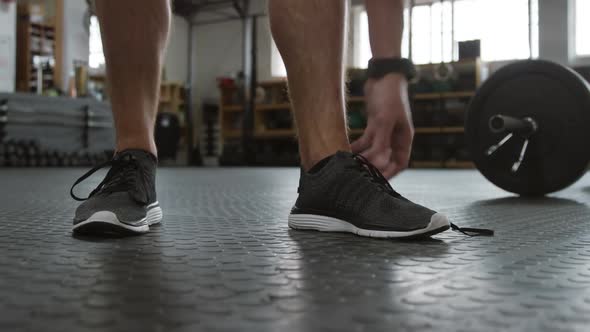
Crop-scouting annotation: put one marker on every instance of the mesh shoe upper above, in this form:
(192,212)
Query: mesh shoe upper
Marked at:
(127,189)
(345,189)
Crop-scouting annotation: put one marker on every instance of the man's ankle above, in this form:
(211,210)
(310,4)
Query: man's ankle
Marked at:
(140,145)
(311,158)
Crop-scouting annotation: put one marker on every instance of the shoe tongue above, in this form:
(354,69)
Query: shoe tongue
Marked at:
(142,156)
(343,155)
(137,153)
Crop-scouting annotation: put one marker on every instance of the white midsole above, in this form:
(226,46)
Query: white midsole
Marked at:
(153,216)
(329,224)
(153,204)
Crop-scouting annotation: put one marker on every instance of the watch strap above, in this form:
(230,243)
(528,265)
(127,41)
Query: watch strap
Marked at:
(379,67)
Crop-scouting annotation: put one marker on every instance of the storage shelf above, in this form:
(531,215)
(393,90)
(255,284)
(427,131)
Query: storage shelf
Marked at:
(273,82)
(272,107)
(443,95)
(356,132)
(259,107)
(452,130)
(275,133)
(233,108)
(427,130)
(459,164)
(276,98)
(426,164)
(352,132)
(439,130)
(442,164)
(355,99)
(232,133)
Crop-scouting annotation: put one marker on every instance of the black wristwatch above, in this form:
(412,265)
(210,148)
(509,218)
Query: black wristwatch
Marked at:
(379,67)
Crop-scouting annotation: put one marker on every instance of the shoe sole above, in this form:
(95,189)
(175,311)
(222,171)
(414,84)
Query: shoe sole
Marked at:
(107,222)
(438,223)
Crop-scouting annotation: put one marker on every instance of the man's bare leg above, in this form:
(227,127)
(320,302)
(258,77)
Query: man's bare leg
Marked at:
(310,35)
(345,193)
(134,36)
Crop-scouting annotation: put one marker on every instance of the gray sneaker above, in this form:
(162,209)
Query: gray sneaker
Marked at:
(125,201)
(346,193)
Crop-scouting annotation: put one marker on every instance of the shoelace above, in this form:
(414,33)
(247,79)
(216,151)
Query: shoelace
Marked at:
(121,176)
(375,175)
(380,180)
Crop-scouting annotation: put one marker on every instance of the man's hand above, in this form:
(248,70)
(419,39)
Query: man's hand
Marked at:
(387,140)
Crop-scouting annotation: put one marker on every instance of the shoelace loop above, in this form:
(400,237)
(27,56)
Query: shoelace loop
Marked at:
(373,172)
(379,179)
(121,176)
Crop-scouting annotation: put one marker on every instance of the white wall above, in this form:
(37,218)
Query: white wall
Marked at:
(176,62)
(75,38)
(75,43)
(7,46)
(218,52)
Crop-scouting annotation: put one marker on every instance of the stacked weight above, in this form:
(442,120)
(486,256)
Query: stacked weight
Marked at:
(38,131)
(29,153)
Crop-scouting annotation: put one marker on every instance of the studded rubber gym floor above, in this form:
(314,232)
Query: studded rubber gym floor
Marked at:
(224,259)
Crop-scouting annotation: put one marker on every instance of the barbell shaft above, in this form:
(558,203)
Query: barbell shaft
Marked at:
(501,123)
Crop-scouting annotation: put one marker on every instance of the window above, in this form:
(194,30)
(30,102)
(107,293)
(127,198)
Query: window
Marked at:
(363,49)
(96,56)
(582,28)
(438,27)
(482,19)
(277,67)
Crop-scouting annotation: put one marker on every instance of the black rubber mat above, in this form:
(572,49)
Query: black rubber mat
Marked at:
(224,259)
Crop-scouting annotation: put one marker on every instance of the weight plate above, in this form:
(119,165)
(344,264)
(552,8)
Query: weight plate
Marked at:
(558,99)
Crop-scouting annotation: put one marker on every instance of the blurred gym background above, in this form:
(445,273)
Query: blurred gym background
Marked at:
(223,100)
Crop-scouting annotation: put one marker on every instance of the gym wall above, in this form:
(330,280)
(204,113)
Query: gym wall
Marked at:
(7,46)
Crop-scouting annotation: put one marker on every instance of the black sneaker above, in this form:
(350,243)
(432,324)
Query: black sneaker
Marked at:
(125,201)
(345,193)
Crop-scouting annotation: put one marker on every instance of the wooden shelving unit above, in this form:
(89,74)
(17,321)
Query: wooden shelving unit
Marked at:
(36,39)
(173,102)
(425,164)
(459,164)
(172,97)
(273,123)
(439,130)
(446,164)
(275,133)
(444,95)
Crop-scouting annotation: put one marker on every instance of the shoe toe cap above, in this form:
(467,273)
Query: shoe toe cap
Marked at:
(439,220)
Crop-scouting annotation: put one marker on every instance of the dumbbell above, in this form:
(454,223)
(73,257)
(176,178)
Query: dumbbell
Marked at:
(43,160)
(528,126)
(53,158)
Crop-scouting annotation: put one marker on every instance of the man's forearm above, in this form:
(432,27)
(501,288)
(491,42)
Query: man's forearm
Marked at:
(386,24)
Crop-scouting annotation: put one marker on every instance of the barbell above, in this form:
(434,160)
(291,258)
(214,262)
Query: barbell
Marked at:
(528,127)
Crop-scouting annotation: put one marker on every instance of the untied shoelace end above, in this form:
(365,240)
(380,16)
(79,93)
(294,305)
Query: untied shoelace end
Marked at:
(472,231)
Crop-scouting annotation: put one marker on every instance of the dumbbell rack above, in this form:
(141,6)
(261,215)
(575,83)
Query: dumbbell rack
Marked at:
(53,131)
